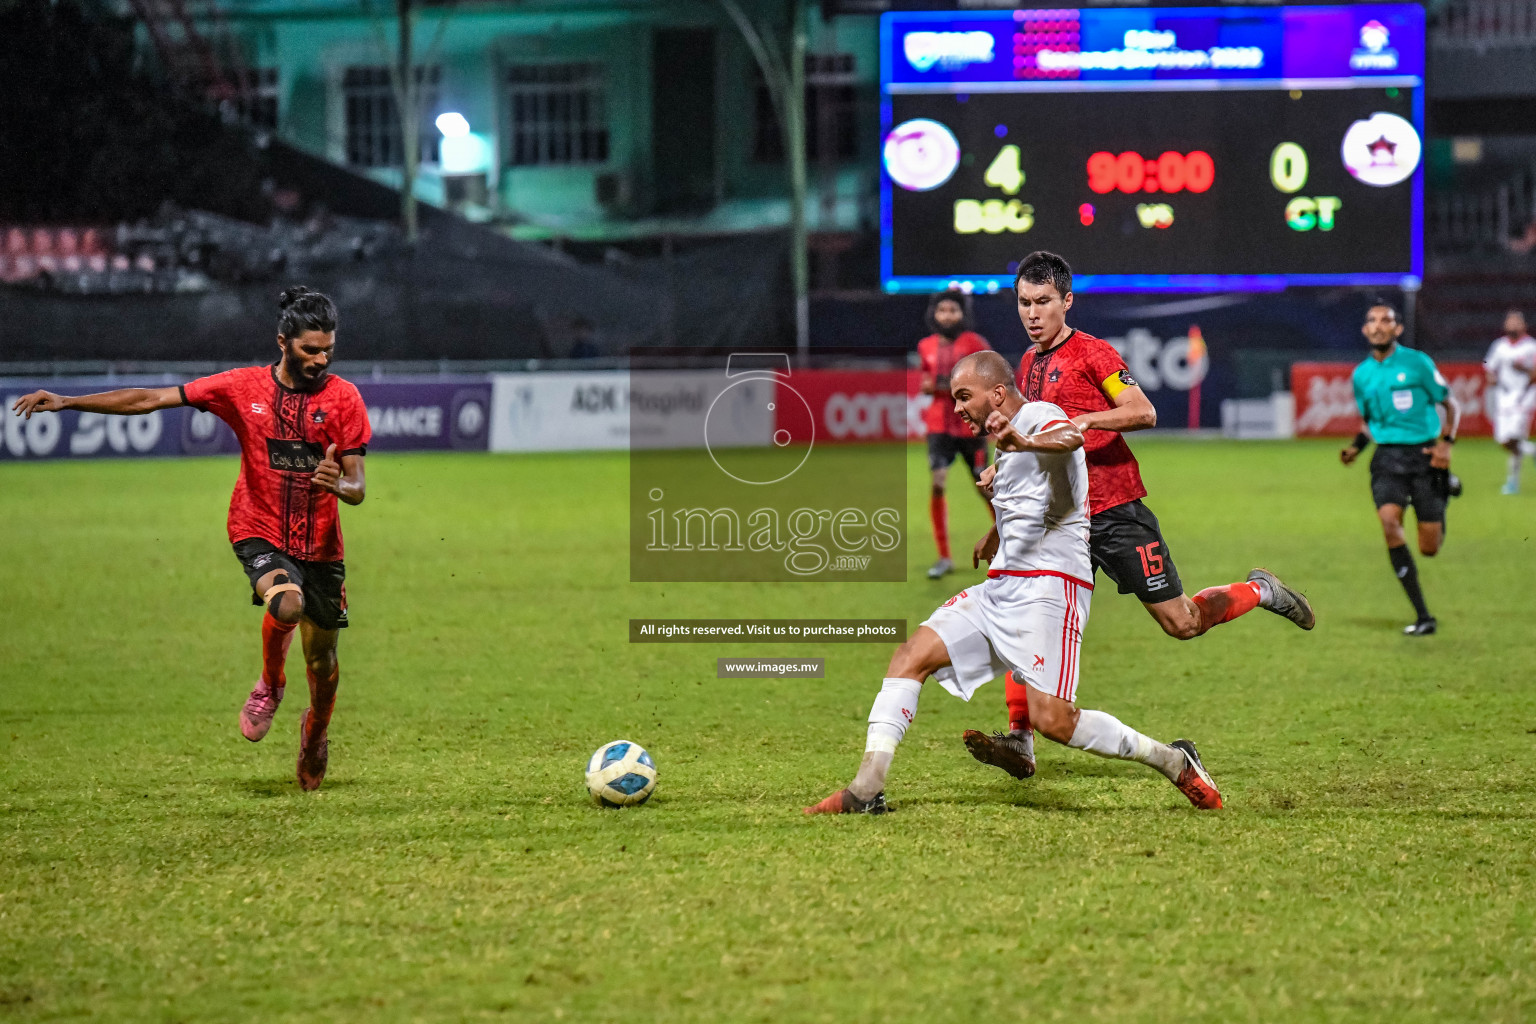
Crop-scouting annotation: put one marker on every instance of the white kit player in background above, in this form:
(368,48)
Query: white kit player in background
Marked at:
(1511,367)
(1029,614)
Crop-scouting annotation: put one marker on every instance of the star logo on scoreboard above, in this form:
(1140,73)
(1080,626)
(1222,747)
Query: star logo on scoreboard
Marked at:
(1382,150)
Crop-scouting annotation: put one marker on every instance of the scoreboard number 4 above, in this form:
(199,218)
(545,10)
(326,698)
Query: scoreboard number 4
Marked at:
(994,216)
(1004,171)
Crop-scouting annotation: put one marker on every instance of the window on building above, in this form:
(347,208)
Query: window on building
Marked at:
(556,114)
(373,118)
(831,121)
(252,99)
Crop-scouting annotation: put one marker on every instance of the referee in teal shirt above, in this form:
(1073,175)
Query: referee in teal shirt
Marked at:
(1399,393)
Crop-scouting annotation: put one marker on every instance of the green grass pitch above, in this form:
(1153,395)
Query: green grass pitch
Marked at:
(1374,861)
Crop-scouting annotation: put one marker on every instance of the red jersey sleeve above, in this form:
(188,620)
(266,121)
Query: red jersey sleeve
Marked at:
(353,432)
(213,394)
(1110,376)
(1107,369)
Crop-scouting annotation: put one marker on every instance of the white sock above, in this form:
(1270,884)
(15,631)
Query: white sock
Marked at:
(1513,473)
(1105,735)
(1266,595)
(894,708)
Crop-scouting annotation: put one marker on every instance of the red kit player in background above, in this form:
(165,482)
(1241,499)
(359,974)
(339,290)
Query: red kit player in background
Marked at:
(949,317)
(1086,377)
(303,433)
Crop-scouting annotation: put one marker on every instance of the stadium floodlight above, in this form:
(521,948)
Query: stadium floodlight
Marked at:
(453,125)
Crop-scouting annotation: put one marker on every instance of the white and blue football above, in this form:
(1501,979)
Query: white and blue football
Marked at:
(621,774)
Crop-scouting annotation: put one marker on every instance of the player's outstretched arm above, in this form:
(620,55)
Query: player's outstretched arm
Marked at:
(1133,411)
(345,479)
(123,402)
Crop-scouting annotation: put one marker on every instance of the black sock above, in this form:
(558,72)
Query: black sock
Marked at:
(1408,576)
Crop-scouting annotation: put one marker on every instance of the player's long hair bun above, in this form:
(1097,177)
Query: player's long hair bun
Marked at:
(304,310)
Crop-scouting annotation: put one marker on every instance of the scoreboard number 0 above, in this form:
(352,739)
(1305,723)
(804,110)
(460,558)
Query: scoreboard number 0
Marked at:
(1288,167)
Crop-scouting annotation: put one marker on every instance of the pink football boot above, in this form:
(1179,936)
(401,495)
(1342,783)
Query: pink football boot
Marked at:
(260,706)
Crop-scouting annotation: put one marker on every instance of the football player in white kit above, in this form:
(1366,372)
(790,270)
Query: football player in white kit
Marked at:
(1029,614)
(1511,370)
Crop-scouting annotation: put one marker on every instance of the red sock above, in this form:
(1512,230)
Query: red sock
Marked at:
(322,694)
(275,638)
(1017,696)
(938,511)
(1223,604)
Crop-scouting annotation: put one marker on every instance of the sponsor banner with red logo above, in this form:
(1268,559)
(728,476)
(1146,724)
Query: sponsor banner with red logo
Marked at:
(1325,398)
(858,405)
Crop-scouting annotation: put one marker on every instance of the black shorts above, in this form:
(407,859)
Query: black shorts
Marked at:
(1402,475)
(324,583)
(1126,542)
(944,448)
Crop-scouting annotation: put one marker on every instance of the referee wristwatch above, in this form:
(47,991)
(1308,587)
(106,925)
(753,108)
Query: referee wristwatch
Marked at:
(1447,438)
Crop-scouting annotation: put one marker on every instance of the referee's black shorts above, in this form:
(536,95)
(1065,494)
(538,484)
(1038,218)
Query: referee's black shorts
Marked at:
(1402,475)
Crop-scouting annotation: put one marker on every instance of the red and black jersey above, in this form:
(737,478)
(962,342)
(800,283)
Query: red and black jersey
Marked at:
(939,357)
(1084,374)
(283,436)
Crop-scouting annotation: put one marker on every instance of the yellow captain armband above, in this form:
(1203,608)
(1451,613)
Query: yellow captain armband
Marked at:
(1117,382)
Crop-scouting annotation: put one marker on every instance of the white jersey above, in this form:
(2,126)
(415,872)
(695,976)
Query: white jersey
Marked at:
(1041,499)
(1511,363)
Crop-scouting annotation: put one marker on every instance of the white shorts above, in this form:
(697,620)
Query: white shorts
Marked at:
(1032,625)
(1512,417)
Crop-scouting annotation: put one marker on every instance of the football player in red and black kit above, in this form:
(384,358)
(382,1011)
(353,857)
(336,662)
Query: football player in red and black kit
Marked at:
(948,435)
(303,433)
(1086,377)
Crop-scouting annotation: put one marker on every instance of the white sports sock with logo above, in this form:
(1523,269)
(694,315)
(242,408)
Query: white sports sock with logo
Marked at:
(1105,735)
(894,708)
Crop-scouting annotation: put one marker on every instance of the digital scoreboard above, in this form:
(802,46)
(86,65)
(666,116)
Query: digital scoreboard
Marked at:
(1157,149)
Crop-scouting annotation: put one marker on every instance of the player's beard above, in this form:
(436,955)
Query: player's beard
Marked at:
(301,380)
(953,331)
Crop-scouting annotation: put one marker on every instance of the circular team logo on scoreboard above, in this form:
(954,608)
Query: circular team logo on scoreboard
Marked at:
(921,154)
(1382,150)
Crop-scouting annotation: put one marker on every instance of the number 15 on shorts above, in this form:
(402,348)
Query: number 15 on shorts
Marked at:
(1152,565)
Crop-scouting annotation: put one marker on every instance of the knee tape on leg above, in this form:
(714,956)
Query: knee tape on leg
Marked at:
(894,708)
(280,586)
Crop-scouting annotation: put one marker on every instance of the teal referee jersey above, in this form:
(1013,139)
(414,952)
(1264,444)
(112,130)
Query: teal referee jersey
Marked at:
(1397,396)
